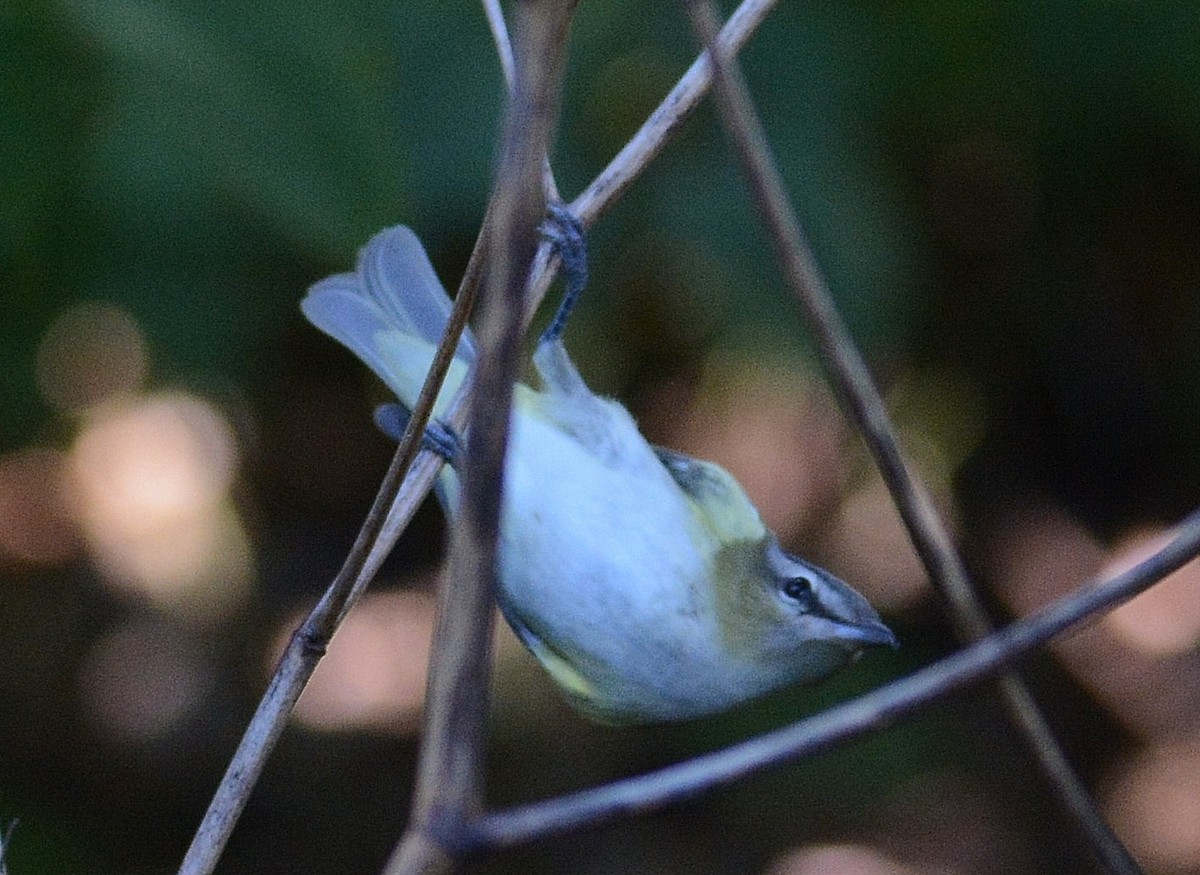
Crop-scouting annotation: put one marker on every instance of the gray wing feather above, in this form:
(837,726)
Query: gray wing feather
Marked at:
(338,307)
(393,289)
(396,274)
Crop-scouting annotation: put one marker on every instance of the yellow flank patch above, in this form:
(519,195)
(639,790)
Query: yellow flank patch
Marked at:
(733,517)
(563,672)
(744,608)
(720,504)
(407,359)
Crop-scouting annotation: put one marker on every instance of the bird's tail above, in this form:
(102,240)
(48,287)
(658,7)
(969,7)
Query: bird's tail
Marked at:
(391,312)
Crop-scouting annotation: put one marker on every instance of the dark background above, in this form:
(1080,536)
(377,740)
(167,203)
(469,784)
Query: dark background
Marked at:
(1006,200)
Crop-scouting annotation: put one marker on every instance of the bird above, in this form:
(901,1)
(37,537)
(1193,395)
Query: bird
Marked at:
(643,580)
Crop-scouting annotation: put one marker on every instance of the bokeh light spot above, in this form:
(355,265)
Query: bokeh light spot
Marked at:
(91,353)
(151,480)
(141,679)
(870,547)
(373,676)
(1042,554)
(776,431)
(1155,806)
(839,860)
(1165,619)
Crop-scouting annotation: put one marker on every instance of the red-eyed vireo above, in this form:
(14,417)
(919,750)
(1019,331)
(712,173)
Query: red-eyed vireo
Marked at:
(643,580)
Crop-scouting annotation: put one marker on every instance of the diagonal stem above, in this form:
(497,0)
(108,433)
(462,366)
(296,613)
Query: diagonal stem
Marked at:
(449,768)
(644,146)
(872,712)
(411,472)
(604,191)
(859,396)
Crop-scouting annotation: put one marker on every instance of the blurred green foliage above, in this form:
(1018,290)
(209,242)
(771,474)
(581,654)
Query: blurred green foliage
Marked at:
(198,163)
(1010,191)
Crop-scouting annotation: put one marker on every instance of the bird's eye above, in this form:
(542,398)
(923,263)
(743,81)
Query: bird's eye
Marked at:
(800,591)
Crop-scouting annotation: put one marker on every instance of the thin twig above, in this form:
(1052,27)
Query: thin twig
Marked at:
(605,190)
(504,50)
(308,643)
(449,769)
(660,127)
(5,840)
(401,493)
(859,396)
(872,712)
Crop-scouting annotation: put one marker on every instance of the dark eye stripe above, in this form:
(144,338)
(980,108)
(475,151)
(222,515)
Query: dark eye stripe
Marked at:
(800,590)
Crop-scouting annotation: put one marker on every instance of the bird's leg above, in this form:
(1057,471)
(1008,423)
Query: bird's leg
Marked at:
(439,438)
(565,233)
